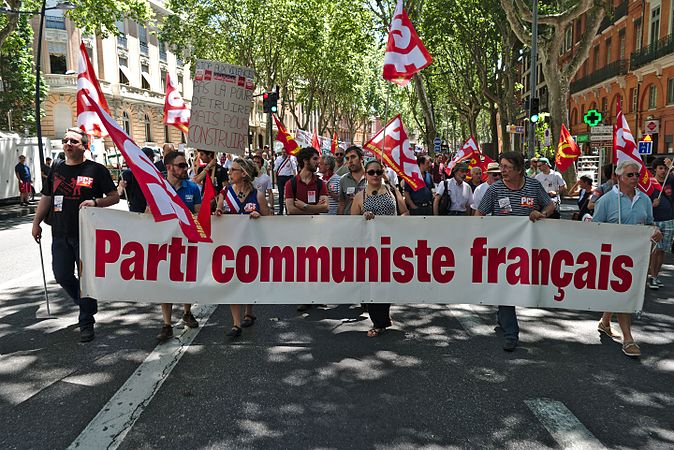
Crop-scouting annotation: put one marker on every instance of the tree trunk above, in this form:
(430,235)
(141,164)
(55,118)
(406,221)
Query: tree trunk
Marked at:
(430,132)
(558,95)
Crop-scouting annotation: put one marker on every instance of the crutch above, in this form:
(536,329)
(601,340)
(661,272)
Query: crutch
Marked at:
(44,277)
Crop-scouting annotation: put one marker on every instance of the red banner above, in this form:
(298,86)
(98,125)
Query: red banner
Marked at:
(285,138)
(87,84)
(567,150)
(176,112)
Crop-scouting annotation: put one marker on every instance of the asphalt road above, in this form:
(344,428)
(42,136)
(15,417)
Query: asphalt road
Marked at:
(437,379)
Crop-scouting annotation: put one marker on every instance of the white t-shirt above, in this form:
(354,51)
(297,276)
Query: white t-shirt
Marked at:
(392,176)
(262,183)
(478,194)
(461,196)
(288,168)
(551,182)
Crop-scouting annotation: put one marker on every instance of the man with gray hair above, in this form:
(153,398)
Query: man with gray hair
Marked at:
(625,204)
(327,168)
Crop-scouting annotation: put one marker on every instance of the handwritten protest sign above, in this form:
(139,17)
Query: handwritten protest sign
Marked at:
(221,105)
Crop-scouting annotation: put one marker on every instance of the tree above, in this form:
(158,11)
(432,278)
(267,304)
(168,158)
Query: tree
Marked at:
(553,21)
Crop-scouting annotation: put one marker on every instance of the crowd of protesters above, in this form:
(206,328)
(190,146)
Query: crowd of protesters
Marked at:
(348,183)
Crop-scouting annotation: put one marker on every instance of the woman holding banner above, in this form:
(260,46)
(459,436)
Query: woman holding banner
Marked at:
(378,199)
(625,204)
(240,197)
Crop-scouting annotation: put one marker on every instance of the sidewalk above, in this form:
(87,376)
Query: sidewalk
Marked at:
(13,210)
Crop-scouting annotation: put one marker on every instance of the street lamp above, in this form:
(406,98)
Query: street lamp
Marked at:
(64,6)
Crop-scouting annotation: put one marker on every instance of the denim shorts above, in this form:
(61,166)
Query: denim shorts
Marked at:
(667,229)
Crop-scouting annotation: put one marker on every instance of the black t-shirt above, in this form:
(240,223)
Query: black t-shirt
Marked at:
(161,167)
(221,178)
(71,185)
(134,194)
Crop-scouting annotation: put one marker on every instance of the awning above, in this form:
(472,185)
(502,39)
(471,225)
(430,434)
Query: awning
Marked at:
(127,73)
(146,76)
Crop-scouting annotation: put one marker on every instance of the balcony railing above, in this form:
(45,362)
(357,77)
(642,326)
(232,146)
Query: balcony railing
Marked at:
(162,55)
(614,69)
(144,49)
(656,50)
(56,81)
(55,23)
(121,41)
(618,13)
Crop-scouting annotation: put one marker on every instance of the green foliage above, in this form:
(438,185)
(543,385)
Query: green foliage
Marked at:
(18,76)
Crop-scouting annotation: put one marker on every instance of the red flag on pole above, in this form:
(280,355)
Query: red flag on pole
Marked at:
(466,152)
(204,217)
(567,150)
(335,143)
(315,143)
(87,83)
(397,153)
(625,148)
(162,199)
(285,138)
(176,112)
(405,53)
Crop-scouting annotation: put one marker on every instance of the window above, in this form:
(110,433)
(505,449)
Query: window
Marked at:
(608,51)
(145,76)
(167,134)
(162,51)
(670,91)
(121,39)
(126,123)
(148,129)
(142,39)
(568,38)
(595,59)
(652,96)
(621,44)
(579,29)
(604,103)
(55,20)
(57,57)
(163,80)
(637,34)
(123,70)
(655,25)
(633,96)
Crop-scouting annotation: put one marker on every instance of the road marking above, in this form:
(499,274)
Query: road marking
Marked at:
(562,425)
(110,426)
(470,320)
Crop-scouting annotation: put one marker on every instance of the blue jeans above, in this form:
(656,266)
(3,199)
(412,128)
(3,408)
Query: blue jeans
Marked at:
(65,253)
(507,318)
(281,181)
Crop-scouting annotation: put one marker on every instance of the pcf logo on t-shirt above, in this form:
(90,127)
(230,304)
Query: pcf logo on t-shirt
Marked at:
(84,181)
(527,202)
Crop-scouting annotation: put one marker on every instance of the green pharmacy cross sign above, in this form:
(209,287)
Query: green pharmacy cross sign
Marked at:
(592,117)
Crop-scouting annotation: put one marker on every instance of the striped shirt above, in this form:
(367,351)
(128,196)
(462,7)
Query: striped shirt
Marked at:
(499,200)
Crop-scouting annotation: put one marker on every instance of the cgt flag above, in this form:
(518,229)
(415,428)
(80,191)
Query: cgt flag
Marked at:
(405,53)
(315,143)
(567,150)
(624,148)
(468,150)
(87,85)
(397,152)
(335,143)
(479,160)
(176,112)
(160,195)
(285,138)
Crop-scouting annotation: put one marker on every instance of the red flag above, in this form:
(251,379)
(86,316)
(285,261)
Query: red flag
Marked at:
(405,53)
(397,152)
(87,83)
(176,112)
(204,217)
(479,160)
(467,152)
(625,148)
(335,143)
(314,141)
(289,143)
(162,199)
(567,150)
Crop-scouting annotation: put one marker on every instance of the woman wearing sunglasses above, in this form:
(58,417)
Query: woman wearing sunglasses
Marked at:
(378,199)
(240,197)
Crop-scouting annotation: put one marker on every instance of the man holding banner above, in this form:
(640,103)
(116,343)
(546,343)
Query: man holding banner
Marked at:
(72,185)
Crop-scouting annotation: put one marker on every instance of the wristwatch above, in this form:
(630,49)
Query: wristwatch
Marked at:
(304,208)
(95,202)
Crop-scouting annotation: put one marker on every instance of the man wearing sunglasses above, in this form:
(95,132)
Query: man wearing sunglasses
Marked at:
(71,185)
(340,167)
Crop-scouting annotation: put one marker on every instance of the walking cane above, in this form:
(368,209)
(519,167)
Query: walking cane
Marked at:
(44,277)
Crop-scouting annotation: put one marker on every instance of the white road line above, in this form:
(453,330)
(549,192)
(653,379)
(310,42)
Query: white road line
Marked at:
(110,426)
(564,427)
(470,320)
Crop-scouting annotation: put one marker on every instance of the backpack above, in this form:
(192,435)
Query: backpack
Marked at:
(319,186)
(445,202)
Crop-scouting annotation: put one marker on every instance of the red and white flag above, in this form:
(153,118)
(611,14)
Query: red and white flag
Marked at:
(87,83)
(176,112)
(397,153)
(405,53)
(335,143)
(315,143)
(162,199)
(466,152)
(625,148)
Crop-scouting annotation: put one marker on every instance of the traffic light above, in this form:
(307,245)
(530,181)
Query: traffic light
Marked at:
(533,112)
(270,102)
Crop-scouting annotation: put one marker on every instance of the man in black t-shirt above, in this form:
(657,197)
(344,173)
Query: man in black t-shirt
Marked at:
(130,187)
(218,173)
(71,185)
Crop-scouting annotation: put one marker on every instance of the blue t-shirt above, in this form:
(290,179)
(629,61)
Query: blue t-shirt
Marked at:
(190,194)
(637,211)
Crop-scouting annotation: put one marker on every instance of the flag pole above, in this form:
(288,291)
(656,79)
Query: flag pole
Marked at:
(383,142)
(666,176)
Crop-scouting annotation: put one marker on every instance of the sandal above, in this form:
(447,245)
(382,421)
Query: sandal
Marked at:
(248,321)
(234,332)
(374,332)
(606,330)
(631,349)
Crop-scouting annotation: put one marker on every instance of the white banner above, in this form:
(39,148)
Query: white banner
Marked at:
(345,259)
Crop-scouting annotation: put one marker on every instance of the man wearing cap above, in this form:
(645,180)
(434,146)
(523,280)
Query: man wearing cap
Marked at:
(552,182)
(532,171)
(493,175)
(460,193)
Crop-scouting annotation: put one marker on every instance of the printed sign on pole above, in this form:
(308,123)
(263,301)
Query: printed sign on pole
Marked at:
(221,104)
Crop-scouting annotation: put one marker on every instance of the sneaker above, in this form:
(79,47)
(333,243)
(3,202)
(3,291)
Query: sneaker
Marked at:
(87,335)
(658,282)
(510,345)
(190,321)
(303,308)
(165,334)
(652,284)
(631,349)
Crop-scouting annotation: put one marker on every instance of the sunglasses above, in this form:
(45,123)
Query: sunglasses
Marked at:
(375,172)
(182,165)
(632,174)
(70,141)
(339,154)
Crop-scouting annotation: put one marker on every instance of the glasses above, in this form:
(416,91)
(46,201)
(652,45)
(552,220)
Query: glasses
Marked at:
(375,172)
(495,175)
(70,141)
(632,174)
(339,154)
(504,167)
(183,165)
(234,169)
